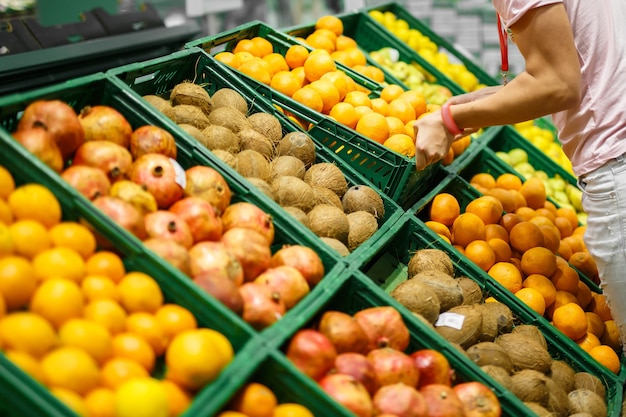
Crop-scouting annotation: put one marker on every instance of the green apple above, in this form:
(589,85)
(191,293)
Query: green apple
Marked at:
(541,175)
(560,196)
(517,156)
(582,217)
(557,183)
(504,156)
(524,168)
(575,196)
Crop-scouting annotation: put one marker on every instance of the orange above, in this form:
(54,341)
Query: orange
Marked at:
(543,212)
(391,92)
(562,298)
(318,64)
(95,287)
(460,145)
(525,235)
(466,228)
(27,363)
(409,129)
(27,332)
(496,231)
(507,275)
(373,126)
(580,230)
(134,347)
(17,281)
(298,74)
(244,45)
(229,413)
(481,253)
(588,341)
(401,143)
(564,226)
(149,328)
(6,215)
(108,313)
(228,58)
(292,410)
(501,249)
(243,56)
(91,337)
(100,402)
(339,80)
(106,263)
(175,319)
(35,202)
(345,114)
(439,228)
(538,260)
(261,46)
(330,22)
(285,82)
(362,111)
(599,306)
(583,294)
(595,324)
(542,284)
(371,72)
(75,236)
(564,250)
(342,57)
(417,100)
(345,42)
(29,238)
(59,262)
(140,292)
(570,319)
(551,238)
(534,191)
(583,262)
(318,41)
(611,335)
(483,179)
(525,212)
(328,92)
(575,242)
(58,300)
(255,400)
(117,370)
(380,106)
(509,181)
(533,299)
(551,207)
(7,183)
(565,278)
(309,97)
(178,399)
(296,55)
(506,197)
(488,208)
(71,399)
(356,56)
(607,357)
(70,368)
(277,63)
(444,208)
(569,214)
(401,109)
(396,126)
(358,98)
(256,69)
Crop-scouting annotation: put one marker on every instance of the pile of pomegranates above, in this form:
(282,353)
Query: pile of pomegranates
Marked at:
(185,215)
(361,361)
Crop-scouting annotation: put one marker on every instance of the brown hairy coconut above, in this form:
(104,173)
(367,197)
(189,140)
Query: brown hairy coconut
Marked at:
(298,214)
(585,380)
(227,157)
(227,97)
(251,139)
(220,137)
(250,163)
(563,374)
(499,374)
(587,401)
(362,226)
(530,385)
(327,175)
(329,221)
(325,196)
(362,197)
(497,320)
(161,104)
(418,298)
(336,245)
(190,115)
(538,409)
(230,118)
(430,259)
(300,145)
(193,95)
(469,332)
(490,353)
(294,192)
(194,132)
(525,353)
(531,331)
(268,125)
(447,288)
(286,165)
(557,398)
(472,293)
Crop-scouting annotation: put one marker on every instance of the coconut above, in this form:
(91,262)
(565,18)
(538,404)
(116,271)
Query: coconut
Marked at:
(362,197)
(229,118)
(191,94)
(228,158)
(423,320)
(286,165)
(187,114)
(557,398)
(268,125)
(448,290)
(161,104)
(338,246)
(497,320)
(193,131)
(300,145)
(251,139)
(538,409)
(525,353)
(530,385)
(586,401)
(472,293)
(292,191)
(252,164)
(418,298)
(227,97)
(298,214)
(430,259)
(329,221)
(362,225)
(263,186)
(499,374)
(563,374)
(460,324)
(326,196)
(531,331)
(490,353)
(220,137)
(327,175)
(588,381)
(591,415)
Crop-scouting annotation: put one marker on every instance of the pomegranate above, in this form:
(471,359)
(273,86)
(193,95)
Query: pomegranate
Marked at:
(433,367)
(113,159)
(59,119)
(89,181)
(345,333)
(171,251)
(152,139)
(304,259)
(208,184)
(250,248)
(400,400)
(442,401)
(286,281)
(123,213)
(392,366)
(384,327)
(249,216)
(261,306)
(213,257)
(201,218)
(358,366)
(158,174)
(41,144)
(222,288)
(312,353)
(348,392)
(478,400)
(167,225)
(103,122)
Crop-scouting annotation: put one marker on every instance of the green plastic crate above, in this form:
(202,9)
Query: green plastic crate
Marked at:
(159,76)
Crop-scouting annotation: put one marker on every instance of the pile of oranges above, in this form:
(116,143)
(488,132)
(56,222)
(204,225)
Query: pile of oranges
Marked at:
(310,76)
(533,249)
(77,321)
(255,399)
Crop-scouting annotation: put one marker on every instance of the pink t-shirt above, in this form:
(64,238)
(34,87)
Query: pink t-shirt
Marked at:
(594,132)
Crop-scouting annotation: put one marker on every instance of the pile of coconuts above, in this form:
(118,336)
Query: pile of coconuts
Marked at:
(515,355)
(282,166)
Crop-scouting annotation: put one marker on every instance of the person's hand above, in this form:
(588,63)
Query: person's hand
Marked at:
(432,140)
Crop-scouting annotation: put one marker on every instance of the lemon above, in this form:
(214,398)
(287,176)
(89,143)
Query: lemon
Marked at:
(6,241)
(141,397)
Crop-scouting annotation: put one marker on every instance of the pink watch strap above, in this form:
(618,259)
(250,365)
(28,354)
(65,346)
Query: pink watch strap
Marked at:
(448,121)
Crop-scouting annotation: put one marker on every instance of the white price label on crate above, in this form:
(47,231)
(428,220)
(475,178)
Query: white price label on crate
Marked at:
(453,320)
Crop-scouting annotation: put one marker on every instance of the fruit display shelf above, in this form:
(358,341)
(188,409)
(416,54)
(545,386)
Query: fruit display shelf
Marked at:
(392,173)
(159,76)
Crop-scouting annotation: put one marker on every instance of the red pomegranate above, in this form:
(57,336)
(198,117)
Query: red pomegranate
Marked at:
(286,281)
(103,122)
(113,159)
(478,400)
(41,144)
(442,401)
(250,248)
(345,333)
(152,139)
(89,181)
(400,400)
(247,215)
(213,257)
(59,119)
(167,225)
(384,327)
(222,288)
(358,366)
(304,259)
(312,353)
(201,218)
(158,174)
(261,306)
(433,367)
(392,366)
(171,251)
(208,184)
(123,213)
(348,392)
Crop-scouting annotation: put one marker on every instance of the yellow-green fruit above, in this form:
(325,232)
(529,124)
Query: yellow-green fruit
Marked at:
(141,397)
